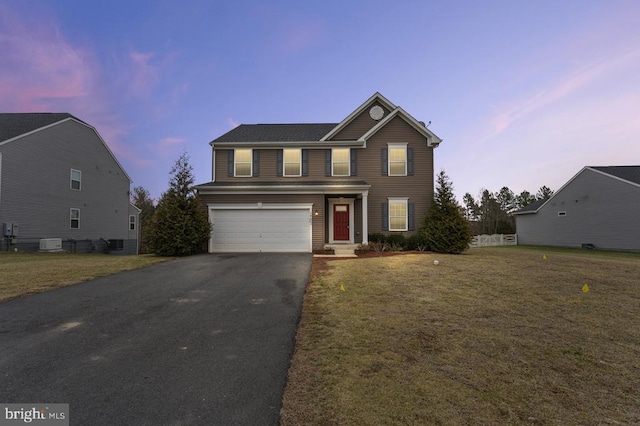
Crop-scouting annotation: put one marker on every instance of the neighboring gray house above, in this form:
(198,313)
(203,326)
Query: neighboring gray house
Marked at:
(301,187)
(59,182)
(600,206)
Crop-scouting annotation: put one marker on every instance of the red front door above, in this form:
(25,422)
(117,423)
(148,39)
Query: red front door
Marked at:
(341,222)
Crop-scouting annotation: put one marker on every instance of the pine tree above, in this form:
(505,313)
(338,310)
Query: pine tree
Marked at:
(180,226)
(445,228)
(141,198)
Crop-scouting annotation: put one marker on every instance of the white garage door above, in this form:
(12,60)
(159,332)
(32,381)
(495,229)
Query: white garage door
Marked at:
(261,230)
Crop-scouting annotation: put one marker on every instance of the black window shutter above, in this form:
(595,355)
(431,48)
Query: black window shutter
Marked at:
(385,216)
(256,162)
(327,162)
(411,214)
(409,161)
(305,162)
(384,156)
(354,162)
(230,162)
(279,163)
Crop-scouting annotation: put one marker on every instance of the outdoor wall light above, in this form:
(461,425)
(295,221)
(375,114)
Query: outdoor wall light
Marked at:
(316,212)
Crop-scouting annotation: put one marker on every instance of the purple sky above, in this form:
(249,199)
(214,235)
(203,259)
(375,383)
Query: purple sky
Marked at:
(524,93)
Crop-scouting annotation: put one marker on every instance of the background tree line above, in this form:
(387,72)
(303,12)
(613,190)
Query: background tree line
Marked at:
(491,212)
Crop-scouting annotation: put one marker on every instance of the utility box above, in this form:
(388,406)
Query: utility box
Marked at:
(10,229)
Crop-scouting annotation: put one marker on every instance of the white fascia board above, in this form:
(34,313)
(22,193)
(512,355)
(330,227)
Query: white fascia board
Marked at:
(432,139)
(79,122)
(288,144)
(262,206)
(554,194)
(288,189)
(612,176)
(376,96)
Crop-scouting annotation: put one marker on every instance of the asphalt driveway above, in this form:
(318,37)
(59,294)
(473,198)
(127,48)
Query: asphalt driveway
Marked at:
(204,340)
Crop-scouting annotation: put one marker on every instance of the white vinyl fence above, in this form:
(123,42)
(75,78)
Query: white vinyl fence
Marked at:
(494,240)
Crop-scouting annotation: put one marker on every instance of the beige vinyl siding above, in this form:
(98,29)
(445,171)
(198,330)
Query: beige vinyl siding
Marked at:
(318,222)
(360,125)
(419,187)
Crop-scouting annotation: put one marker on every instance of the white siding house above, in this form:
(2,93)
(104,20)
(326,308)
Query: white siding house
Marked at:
(599,207)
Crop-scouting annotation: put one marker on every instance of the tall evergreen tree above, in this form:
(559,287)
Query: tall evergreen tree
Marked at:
(180,226)
(141,198)
(445,228)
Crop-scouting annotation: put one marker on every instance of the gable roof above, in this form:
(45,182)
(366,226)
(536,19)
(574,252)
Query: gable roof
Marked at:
(629,174)
(322,132)
(16,124)
(276,132)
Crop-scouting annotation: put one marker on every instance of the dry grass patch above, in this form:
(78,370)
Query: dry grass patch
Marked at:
(29,273)
(495,336)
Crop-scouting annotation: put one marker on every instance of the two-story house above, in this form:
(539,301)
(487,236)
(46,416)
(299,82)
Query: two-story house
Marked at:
(301,187)
(61,187)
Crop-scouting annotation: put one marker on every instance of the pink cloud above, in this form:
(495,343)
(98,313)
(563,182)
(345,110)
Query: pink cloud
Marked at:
(567,86)
(144,75)
(302,35)
(232,123)
(39,65)
(167,145)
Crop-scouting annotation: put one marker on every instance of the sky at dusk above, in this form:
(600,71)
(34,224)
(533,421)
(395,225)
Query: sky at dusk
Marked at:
(523,93)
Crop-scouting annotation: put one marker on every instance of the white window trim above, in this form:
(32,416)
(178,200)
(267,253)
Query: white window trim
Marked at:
(284,162)
(71,180)
(396,145)
(132,216)
(404,200)
(348,162)
(235,162)
(71,218)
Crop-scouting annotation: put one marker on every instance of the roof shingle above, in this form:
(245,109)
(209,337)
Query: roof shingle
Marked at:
(302,132)
(630,173)
(16,124)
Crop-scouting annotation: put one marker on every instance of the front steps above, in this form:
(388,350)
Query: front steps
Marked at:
(341,250)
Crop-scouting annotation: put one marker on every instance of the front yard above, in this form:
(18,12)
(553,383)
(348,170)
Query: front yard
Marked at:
(493,336)
(29,273)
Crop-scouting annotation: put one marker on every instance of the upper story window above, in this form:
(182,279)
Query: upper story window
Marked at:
(340,159)
(398,214)
(292,162)
(132,222)
(397,159)
(242,162)
(76,179)
(74,217)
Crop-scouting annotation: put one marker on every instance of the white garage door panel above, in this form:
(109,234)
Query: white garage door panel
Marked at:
(255,230)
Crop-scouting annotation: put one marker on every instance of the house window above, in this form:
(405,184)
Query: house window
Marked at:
(340,160)
(397,159)
(132,222)
(398,217)
(292,162)
(74,218)
(76,178)
(242,159)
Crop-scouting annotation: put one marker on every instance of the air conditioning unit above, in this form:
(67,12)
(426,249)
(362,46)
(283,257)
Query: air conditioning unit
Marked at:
(51,244)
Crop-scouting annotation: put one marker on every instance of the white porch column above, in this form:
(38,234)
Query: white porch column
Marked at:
(365,218)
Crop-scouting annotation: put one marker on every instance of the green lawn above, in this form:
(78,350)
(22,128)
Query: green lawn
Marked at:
(493,336)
